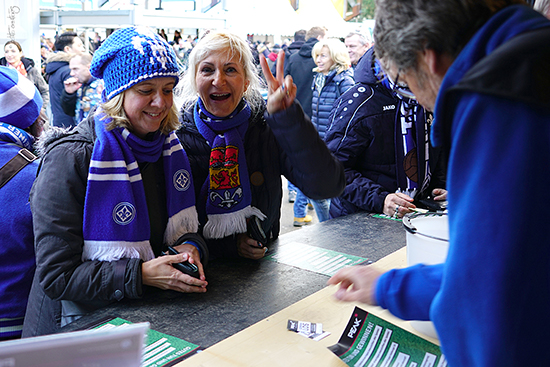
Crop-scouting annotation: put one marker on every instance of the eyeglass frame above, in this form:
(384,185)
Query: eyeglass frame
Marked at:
(401,89)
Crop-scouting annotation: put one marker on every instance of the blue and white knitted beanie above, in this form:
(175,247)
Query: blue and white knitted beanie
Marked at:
(130,56)
(20,101)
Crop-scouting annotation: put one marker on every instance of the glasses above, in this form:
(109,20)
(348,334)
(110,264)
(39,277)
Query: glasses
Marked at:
(401,88)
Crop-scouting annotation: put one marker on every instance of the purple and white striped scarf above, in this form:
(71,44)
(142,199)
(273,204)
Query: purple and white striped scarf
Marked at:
(116,220)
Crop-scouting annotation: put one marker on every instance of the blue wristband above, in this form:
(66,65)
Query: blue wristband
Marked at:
(194,244)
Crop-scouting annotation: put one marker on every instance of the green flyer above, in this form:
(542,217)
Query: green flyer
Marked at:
(313,258)
(370,341)
(160,349)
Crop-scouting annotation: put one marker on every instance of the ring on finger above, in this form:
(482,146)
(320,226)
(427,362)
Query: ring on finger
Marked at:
(396,214)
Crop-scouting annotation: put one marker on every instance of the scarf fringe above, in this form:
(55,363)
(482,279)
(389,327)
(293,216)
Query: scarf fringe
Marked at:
(116,250)
(186,221)
(223,225)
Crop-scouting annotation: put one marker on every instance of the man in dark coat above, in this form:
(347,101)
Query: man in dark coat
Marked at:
(299,40)
(83,91)
(58,70)
(300,66)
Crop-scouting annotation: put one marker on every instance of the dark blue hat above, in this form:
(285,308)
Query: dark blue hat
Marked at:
(130,56)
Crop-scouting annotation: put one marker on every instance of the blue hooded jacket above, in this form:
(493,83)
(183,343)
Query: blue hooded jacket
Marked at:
(17,250)
(490,300)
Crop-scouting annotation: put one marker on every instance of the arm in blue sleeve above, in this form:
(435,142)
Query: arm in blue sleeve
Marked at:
(408,293)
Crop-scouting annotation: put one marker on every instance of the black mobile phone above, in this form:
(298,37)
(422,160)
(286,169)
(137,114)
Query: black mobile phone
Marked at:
(433,205)
(185,267)
(255,230)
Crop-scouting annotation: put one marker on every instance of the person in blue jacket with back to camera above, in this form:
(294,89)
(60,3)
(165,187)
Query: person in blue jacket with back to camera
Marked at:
(484,69)
(21,122)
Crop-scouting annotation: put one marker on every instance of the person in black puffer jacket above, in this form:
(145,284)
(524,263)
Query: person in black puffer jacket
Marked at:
(299,64)
(362,135)
(224,115)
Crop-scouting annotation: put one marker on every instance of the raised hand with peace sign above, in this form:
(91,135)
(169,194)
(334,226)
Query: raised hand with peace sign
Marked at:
(281,91)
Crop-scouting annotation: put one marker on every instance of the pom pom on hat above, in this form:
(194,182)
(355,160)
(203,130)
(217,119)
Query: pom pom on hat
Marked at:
(130,56)
(20,101)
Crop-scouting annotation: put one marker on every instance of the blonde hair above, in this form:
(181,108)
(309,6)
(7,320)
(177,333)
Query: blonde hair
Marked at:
(222,41)
(337,51)
(114,109)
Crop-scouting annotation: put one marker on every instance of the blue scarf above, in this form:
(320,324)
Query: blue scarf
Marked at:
(229,198)
(12,134)
(116,221)
(411,142)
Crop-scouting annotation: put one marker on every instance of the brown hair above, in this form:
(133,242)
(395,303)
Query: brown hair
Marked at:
(13,42)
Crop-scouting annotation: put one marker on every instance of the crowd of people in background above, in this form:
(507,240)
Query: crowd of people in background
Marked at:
(356,42)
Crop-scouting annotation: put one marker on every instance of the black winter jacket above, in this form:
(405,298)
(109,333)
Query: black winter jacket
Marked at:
(285,143)
(362,136)
(289,51)
(300,66)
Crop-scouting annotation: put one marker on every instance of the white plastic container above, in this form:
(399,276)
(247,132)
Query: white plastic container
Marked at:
(427,243)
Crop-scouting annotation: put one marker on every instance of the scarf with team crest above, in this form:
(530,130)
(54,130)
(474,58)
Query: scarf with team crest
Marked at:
(411,141)
(116,221)
(229,198)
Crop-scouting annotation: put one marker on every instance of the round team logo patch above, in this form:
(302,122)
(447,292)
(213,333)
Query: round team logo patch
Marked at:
(124,213)
(182,180)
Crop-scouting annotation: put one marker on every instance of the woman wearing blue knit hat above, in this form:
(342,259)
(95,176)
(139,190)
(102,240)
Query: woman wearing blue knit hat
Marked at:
(114,192)
(20,122)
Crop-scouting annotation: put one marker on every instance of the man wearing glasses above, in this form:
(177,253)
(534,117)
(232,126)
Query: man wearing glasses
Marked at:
(380,134)
(483,67)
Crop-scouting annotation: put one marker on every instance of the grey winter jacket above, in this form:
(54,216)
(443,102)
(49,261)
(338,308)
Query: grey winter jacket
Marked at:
(57,203)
